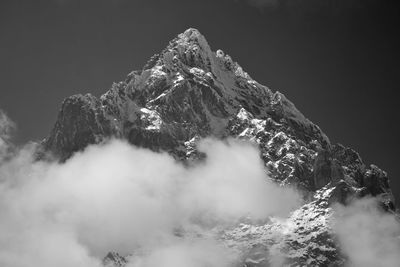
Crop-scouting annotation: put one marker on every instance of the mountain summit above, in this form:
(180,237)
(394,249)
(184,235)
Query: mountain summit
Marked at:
(184,92)
(188,92)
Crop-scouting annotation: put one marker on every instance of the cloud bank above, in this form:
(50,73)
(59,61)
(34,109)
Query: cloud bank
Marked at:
(368,236)
(116,197)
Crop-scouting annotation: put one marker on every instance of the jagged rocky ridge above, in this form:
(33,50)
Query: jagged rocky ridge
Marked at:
(188,92)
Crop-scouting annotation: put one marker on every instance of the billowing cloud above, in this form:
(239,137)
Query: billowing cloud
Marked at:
(118,197)
(191,253)
(367,236)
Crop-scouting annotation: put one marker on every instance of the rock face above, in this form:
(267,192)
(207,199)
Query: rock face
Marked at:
(113,259)
(188,92)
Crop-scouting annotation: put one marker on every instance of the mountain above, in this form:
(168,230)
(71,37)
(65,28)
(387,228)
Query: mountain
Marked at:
(188,92)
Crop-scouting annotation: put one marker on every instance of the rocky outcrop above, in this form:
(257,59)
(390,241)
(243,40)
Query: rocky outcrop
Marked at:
(113,259)
(188,92)
(326,170)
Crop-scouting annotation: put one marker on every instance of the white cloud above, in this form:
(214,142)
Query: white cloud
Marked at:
(233,183)
(367,236)
(118,197)
(193,253)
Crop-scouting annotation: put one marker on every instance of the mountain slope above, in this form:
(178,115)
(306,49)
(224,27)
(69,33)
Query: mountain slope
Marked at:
(188,92)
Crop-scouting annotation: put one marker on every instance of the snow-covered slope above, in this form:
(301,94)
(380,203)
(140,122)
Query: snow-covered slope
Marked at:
(188,92)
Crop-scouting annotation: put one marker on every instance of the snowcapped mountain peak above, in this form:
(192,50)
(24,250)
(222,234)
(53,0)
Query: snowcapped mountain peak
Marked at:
(192,43)
(190,49)
(193,36)
(186,84)
(188,92)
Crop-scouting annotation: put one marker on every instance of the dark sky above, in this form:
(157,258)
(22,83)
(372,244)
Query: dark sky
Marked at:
(337,60)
